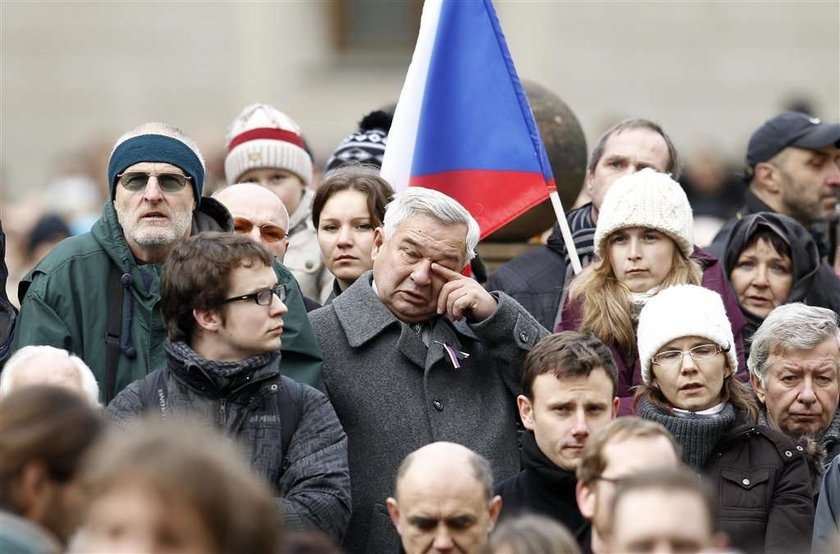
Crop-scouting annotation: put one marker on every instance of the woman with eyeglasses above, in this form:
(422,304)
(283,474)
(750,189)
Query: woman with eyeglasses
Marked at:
(644,243)
(346,209)
(765,501)
(770,260)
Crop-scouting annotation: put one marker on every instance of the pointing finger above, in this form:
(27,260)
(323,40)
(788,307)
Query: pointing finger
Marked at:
(446,273)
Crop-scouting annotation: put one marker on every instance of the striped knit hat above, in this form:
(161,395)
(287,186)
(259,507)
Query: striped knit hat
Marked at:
(263,137)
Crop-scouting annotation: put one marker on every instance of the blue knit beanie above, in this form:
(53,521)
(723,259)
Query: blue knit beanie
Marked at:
(156,148)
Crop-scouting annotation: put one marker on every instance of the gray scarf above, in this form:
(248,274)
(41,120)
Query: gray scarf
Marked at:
(696,435)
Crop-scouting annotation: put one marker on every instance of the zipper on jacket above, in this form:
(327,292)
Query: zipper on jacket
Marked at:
(222,412)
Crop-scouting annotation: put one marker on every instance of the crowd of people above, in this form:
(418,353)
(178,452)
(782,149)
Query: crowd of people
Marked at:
(292,364)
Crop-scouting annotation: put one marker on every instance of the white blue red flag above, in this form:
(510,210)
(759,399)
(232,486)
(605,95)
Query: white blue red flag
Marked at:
(463,125)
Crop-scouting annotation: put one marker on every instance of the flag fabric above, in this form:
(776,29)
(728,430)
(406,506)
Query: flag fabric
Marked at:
(463,125)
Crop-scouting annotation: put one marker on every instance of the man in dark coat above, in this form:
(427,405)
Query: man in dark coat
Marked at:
(793,168)
(568,393)
(223,308)
(539,278)
(416,353)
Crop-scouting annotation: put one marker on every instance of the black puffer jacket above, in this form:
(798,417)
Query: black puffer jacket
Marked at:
(763,485)
(761,481)
(312,479)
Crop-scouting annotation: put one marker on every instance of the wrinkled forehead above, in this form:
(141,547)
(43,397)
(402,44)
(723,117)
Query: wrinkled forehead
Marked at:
(432,236)
(823,355)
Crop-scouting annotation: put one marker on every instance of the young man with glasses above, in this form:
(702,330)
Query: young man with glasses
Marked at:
(223,310)
(569,386)
(626,447)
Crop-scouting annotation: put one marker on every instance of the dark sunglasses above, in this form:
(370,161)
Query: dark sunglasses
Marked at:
(269,233)
(262,297)
(136,181)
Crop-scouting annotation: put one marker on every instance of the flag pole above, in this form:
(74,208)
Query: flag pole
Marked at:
(564,229)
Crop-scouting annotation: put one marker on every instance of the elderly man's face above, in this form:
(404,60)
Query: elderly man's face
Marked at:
(800,388)
(153,221)
(402,265)
(259,214)
(443,513)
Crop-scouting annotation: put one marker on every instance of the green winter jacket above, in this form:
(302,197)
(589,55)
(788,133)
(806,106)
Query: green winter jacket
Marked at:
(64,303)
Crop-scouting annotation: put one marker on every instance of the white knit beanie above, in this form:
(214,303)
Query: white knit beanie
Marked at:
(263,137)
(646,198)
(683,311)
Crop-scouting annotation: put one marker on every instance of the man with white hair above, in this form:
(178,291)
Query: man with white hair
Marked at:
(795,370)
(97,294)
(414,352)
(46,365)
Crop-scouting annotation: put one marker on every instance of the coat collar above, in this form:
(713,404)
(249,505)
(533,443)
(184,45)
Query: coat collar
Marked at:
(360,298)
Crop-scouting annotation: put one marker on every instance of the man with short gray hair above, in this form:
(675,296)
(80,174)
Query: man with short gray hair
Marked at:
(414,352)
(794,366)
(443,500)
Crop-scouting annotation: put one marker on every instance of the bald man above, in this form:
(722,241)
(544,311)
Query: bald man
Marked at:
(444,500)
(259,213)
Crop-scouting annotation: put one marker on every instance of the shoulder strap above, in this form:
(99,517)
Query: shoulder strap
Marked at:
(112,334)
(291,406)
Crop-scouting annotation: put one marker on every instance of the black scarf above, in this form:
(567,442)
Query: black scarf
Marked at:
(548,489)
(696,435)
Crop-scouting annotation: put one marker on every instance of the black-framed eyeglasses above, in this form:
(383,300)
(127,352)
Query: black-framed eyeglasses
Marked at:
(135,181)
(699,353)
(269,233)
(263,297)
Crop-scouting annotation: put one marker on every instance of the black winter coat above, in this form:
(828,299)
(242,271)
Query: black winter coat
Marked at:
(763,488)
(312,479)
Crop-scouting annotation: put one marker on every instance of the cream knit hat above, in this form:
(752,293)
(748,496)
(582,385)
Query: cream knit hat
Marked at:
(683,311)
(646,199)
(263,137)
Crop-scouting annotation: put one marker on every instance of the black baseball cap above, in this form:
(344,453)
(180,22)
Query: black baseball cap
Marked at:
(790,129)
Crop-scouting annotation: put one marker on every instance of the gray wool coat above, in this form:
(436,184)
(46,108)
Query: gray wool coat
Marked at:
(393,395)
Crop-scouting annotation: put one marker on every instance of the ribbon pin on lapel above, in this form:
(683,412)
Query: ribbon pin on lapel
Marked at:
(455,356)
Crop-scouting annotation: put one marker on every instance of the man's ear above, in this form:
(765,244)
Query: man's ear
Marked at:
(494,510)
(758,387)
(526,411)
(766,177)
(394,512)
(587,181)
(585,500)
(615,404)
(33,488)
(378,240)
(208,320)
